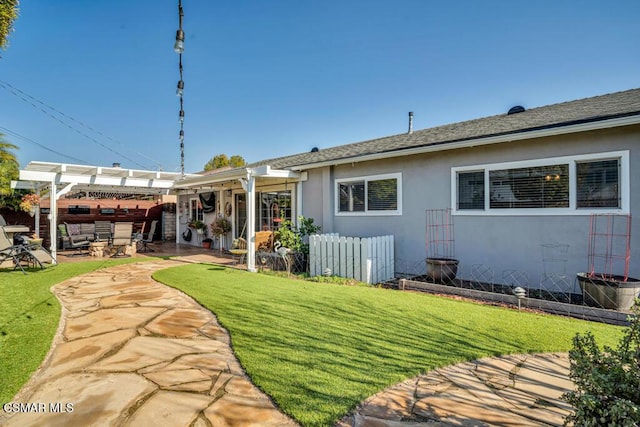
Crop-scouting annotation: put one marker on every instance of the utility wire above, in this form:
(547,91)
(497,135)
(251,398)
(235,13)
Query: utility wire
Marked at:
(21,94)
(24,138)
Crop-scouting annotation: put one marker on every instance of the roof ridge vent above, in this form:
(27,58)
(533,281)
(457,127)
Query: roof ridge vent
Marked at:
(515,110)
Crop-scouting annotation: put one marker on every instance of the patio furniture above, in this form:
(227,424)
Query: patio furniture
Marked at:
(121,238)
(10,252)
(77,242)
(31,254)
(238,255)
(80,234)
(38,256)
(102,231)
(144,242)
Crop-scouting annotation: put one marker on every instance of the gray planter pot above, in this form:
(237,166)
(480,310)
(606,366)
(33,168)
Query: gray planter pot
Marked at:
(612,292)
(442,270)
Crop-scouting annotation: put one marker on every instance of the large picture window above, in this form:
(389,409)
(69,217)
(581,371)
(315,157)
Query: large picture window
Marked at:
(534,187)
(578,184)
(373,195)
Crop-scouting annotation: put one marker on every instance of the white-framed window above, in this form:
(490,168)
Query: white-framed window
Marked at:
(571,185)
(369,195)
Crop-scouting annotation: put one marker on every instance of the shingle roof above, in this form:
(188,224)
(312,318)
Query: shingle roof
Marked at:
(593,109)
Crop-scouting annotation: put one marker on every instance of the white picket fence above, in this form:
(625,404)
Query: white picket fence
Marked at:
(369,260)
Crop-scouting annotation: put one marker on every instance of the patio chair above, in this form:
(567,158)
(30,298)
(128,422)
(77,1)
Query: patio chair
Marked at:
(77,243)
(121,238)
(144,242)
(10,252)
(29,254)
(103,231)
(39,256)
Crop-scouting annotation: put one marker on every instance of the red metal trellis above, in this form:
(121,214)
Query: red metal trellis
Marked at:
(609,249)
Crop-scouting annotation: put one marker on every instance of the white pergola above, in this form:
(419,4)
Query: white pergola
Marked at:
(61,178)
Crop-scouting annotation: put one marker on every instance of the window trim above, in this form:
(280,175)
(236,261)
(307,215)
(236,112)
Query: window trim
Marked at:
(625,191)
(398,211)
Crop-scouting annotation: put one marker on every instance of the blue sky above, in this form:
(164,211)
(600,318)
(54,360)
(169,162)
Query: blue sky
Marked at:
(266,79)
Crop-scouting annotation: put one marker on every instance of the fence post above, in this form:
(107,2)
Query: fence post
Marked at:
(349,257)
(312,254)
(324,254)
(336,255)
(365,260)
(342,242)
(357,266)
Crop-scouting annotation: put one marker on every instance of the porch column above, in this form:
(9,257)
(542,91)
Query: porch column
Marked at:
(251,222)
(178,217)
(53,219)
(37,218)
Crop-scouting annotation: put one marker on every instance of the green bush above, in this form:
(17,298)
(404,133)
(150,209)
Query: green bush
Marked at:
(293,237)
(607,381)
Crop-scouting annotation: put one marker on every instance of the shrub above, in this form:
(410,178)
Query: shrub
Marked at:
(607,381)
(293,237)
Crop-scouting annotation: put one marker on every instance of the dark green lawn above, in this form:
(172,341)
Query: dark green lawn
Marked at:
(319,349)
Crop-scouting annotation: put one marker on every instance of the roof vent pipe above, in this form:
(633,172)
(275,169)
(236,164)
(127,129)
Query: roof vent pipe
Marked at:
(410,122)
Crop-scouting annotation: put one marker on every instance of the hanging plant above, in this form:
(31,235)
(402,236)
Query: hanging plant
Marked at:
(220,226)
(29,203)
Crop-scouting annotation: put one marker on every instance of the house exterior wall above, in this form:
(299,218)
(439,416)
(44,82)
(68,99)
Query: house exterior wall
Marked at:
(313,205)
(500,242)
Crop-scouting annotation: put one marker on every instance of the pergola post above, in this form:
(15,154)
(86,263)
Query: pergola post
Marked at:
(53,219)
(251,222)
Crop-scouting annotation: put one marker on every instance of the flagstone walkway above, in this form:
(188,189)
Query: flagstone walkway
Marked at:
(510,391)
(133,352)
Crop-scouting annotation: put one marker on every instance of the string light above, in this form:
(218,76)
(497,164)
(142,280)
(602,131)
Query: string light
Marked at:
(178,48)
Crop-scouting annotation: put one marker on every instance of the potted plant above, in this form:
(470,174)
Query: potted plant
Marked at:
(198,225)
(220,227)
(30,203)
(292,241)
(206,243)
